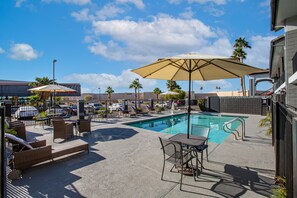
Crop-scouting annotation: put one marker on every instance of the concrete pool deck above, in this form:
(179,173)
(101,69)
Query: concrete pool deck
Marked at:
(125,161)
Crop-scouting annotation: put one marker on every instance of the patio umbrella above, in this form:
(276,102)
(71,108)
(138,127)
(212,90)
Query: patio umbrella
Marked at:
(169,92)
(53,88)
(195,67)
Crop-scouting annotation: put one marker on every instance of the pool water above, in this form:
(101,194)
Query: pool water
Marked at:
(178,124)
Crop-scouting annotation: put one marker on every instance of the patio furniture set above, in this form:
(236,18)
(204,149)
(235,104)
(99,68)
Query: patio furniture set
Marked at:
(181,149)
(26,154)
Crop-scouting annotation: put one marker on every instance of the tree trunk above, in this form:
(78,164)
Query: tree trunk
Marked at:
(135,98)
(157,98)
(242,86)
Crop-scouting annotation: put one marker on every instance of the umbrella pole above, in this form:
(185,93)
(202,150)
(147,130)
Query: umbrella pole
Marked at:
(189,104)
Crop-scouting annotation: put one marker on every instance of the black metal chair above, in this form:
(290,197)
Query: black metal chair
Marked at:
(201,131)
(175,154)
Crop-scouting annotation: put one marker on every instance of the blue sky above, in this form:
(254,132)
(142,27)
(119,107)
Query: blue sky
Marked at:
(97,42)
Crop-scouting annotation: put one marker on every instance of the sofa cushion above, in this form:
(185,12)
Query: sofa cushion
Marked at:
(18,140)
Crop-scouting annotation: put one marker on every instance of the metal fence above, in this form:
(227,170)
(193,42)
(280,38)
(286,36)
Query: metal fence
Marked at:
(284,139)
(244,105)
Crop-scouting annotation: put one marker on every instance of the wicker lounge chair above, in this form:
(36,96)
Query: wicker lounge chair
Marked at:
(20,128)
(33,153)
(62,129)
(138,112)
(175,154)
(84,125)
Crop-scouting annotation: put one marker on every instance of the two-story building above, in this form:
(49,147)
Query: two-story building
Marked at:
(283,71)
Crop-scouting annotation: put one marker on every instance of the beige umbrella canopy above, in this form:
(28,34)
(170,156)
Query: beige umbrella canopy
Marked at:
(52,88)
(169,93)
(195,67)
(198,66)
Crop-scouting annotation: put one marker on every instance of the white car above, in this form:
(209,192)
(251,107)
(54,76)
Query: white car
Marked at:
(115,107)
(26,112)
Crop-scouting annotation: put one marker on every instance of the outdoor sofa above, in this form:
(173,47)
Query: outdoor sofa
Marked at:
(32,153)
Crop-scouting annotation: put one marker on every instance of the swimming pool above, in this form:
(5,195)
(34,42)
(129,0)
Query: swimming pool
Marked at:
(178,124)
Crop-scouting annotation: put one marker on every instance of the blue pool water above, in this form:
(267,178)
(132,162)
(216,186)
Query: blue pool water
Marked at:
(178,124)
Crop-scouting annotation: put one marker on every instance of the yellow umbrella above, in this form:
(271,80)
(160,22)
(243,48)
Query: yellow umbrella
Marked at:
(53,88)
(195,67)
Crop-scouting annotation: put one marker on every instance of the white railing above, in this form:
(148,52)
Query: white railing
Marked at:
(235,132)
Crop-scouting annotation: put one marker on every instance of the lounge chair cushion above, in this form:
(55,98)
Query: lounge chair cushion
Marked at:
(18,140)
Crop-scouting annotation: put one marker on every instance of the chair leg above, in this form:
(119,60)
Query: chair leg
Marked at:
(201,161)
(193,171)
(163,170)
(206,154)
(181,177)
(196,154)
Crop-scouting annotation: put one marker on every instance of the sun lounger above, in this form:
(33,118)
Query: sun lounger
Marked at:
(33,153)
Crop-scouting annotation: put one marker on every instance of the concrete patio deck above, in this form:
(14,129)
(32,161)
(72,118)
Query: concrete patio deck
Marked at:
(127,162)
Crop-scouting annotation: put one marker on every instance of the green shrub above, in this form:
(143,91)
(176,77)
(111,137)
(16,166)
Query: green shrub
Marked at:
(267,122)
(201,104)
(11,131)
(280,191)
(159,109)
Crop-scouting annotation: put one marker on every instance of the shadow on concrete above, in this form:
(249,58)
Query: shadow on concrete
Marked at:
(109,134)
(239,180)
(54,179)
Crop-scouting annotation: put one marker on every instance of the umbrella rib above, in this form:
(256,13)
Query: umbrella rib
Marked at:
(238,63)
(225,69)
(157,69)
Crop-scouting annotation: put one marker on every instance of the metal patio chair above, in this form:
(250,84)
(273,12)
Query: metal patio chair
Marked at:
(175,154)
(201,131)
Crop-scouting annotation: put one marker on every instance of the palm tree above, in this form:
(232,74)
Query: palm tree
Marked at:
(238,52)
(109,91)
(136,85)
(40,82)
(171,85)
(157,91)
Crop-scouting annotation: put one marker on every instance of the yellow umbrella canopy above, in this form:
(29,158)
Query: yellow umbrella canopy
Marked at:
(196,67)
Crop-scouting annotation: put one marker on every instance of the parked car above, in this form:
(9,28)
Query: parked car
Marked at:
(26,112)
(96,106)
(115,107)
(57,110)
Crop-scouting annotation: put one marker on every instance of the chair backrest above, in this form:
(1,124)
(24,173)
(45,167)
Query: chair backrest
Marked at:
(199,130)
(170,148)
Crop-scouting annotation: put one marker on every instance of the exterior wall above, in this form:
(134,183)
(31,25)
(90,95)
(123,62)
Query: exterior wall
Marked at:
(291,48)
(20,89)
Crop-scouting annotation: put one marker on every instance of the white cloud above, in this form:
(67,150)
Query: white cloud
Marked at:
(214,11)
(23,51)
(76,2)
(174,1)
(141,41)
(258,55)
(1,50)
(82,15)
(187,14)
(19,3)
(265,3)
(108,11)
(118,83)
(138,3)
(218,2)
